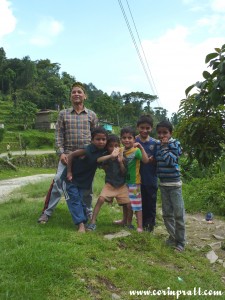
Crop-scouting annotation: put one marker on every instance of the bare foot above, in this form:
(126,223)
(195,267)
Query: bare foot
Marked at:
(81,228)
(119,222)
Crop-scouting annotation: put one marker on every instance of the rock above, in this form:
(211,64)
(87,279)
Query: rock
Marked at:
(115,297)
(215,246)
(205,238)
(212,257)
(119,234)
(218,237)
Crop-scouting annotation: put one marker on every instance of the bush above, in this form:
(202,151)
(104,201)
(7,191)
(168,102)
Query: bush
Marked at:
(33,139)
(2,131)
(36,161)
(208,194)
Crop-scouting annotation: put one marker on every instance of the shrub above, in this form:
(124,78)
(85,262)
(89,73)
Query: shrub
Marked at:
(207,194)
(36,139)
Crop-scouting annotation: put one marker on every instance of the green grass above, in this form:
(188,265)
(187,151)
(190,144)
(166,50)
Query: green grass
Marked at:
(53,261)
(26,171)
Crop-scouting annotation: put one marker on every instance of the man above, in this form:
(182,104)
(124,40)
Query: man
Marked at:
(73,131)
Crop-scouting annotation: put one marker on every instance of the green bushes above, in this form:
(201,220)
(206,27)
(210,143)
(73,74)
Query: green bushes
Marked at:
(205,194)
(2,131)
(36,161)
(34,139)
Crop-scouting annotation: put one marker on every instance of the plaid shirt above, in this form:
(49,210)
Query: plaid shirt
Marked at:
(73,130)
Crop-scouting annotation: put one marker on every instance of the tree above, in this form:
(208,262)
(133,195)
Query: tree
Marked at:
(24,114)
(202,114)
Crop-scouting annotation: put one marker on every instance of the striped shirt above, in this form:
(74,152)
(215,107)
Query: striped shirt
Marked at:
(167,161)
(73,130)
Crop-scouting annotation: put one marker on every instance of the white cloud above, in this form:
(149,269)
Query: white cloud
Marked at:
(7,19)
(46,31)
(218,6)
(176,64)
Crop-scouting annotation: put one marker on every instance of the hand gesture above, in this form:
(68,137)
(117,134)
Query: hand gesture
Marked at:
(115,152)
(164,140)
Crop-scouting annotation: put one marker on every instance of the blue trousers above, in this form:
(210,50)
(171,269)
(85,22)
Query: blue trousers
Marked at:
(74,200)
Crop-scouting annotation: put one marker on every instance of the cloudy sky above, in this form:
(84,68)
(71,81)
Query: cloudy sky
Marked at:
(91,41)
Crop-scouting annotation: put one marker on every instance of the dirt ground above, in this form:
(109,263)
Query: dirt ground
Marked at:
(203,235)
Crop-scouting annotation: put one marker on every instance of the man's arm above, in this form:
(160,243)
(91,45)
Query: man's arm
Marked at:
(59,134)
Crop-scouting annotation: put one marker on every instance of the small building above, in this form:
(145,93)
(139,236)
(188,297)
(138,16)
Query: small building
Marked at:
(45,119)
(106,125)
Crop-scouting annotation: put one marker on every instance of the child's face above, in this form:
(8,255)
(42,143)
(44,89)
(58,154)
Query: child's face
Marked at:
(111,146)
(163,133)
(144,130)
(99,140)
(127,140)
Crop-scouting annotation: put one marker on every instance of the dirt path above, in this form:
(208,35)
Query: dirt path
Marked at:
(8,185)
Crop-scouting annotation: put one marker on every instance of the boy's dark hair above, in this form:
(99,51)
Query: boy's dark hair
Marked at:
(113,138)
(128,130)
(98,130)
(165,124)
(145,119)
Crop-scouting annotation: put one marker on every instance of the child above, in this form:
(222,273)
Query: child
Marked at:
(148,172)
(133,153)
(81,168)
(168,151)
(115,186)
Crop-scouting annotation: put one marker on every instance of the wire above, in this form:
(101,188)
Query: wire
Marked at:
(150,81)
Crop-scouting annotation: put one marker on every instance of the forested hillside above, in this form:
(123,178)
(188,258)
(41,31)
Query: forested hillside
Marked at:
(34,85)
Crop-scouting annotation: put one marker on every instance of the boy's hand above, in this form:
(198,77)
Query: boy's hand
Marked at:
(138,145)
(151,159)
(164,140)
(115,152)
(69,176)
(120,156)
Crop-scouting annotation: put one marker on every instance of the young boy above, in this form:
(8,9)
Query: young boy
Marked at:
(80,172)
(115,187)
(148,172)
(167,154)
(133,153)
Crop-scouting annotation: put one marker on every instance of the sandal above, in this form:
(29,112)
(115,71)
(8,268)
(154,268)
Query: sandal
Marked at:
(179,248)
(91,227)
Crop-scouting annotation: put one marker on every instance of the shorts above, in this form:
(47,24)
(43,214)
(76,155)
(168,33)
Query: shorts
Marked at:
(120,193)
(135,196)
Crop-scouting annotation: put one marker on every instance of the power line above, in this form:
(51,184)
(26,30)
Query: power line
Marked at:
(150,79)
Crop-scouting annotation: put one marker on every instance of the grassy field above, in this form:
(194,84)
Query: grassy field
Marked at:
(53,261)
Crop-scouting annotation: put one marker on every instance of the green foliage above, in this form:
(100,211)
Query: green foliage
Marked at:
(201,115)
(208,194)
(34,139)
(36,161)
(24,114)
(2,131)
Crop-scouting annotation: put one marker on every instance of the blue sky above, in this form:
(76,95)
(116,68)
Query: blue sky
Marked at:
(91,41)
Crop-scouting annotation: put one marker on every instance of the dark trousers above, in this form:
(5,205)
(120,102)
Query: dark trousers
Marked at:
(149,197)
